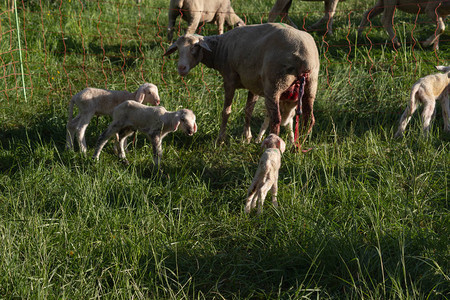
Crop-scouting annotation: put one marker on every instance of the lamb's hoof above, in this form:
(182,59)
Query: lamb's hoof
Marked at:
(125,161)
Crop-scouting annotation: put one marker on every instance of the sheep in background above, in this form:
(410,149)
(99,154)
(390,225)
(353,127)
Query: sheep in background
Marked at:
(281,8)
(197,11)
(436,10)
(265,59)
(266,177)
(155,122)
(93,101)
(427,90)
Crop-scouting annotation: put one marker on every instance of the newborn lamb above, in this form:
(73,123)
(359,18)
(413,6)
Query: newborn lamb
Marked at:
(266,176)
(427,90)
(92,101)
(155,122)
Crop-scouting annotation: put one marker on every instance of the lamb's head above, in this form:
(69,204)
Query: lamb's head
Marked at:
(186,121)
(274,141)
(148,93)
(445,69)
(190,50)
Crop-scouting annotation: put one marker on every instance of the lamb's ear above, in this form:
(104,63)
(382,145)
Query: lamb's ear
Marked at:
(172,48)
(444,69)
(281,145)
(264,144)
(175,127)
(140,95)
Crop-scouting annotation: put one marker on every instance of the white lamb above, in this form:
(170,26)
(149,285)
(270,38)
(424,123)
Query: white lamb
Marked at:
(266,177)
(93,101)
(155,122)
(427,90)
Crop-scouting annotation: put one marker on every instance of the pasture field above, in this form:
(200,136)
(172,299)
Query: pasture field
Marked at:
(361,216)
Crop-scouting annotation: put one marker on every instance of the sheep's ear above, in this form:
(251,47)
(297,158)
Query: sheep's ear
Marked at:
(204,45)
(171,49)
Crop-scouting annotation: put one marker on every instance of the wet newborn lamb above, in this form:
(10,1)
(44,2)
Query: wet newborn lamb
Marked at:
(92,101)
(427,90)
(266,176)
(155,121)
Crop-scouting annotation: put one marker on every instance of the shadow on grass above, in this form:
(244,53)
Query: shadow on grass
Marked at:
(309,262)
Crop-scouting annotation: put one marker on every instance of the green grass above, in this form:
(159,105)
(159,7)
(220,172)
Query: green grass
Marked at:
(361,216)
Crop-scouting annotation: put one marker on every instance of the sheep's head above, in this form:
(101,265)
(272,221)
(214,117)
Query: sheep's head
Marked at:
(190,50)
(148,93)
(274,141)
(186,121)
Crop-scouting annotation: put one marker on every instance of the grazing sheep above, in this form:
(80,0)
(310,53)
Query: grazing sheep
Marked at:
(436,10)
(155,122)
(427,90)
(92,101)
(266,177)
(281,8)
(196,11)
(266,59)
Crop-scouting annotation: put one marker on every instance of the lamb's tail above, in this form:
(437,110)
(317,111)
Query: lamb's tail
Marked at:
(413,101)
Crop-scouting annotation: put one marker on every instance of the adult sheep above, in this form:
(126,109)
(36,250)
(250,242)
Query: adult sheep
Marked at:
(194,12)
(436,10)
(267,60)
(281,8)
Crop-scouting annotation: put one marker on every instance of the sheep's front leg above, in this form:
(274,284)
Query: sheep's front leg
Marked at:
(251,100)
(229,94)
(369,14)
(330,10)
(193,24)
(388,23)
(157,149)
(173,15)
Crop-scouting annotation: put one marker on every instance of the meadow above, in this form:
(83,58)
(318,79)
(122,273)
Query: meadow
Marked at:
(361,216)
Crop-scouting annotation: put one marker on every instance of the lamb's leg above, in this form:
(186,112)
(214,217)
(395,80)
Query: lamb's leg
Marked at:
(122,141)
(251,100)
(406,116)
(445,104)
(275,192)
(104,137)
(82,125)
(220,22)
(369,14)
(71,127)
(262,193)
(427,114)
(229,94)
(157,149)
